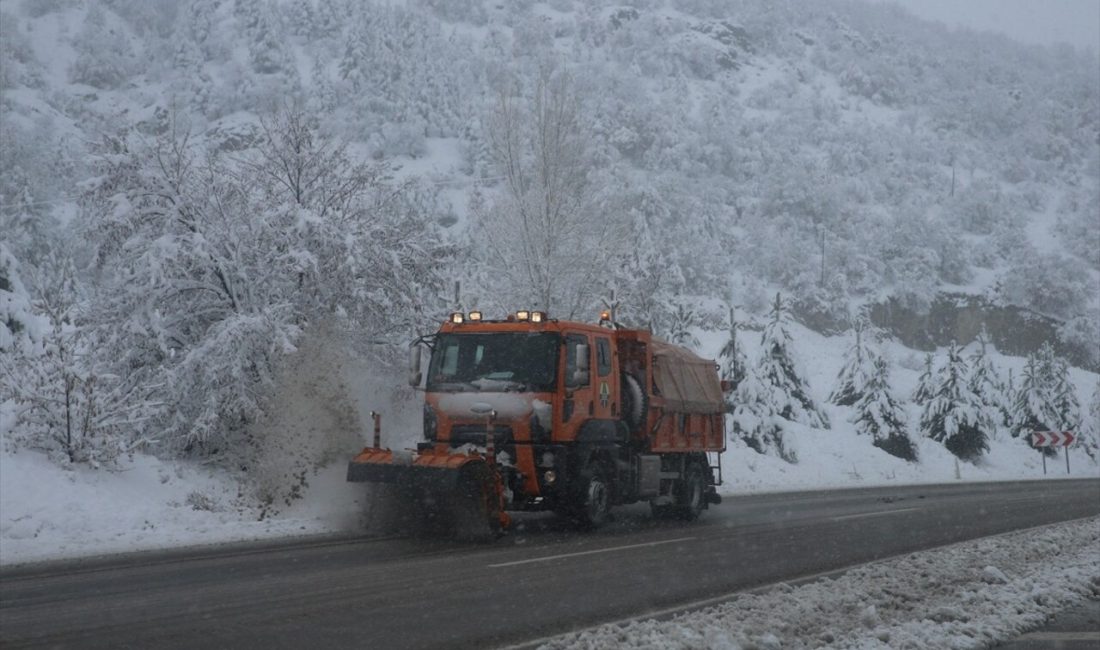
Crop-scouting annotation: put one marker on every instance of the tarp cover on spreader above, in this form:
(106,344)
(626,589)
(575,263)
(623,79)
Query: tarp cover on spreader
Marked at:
(687,381)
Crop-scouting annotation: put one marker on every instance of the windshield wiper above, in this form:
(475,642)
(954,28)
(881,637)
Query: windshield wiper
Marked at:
(457,386)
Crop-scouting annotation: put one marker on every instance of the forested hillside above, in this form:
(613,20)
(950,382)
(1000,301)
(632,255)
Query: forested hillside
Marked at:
(190,190)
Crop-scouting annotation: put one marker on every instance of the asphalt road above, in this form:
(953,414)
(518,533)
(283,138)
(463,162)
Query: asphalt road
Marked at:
(542,580)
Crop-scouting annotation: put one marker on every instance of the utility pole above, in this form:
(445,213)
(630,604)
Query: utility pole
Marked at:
(733,343)
(859,346)
(822,281)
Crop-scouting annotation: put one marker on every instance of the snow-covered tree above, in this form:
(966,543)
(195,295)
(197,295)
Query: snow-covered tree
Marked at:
(1046,399)
(859,365)
(20,328)
(678,328)
(732,363)
(879,415)
(926,383)
(778,370)
(755,418)
(1089,434)
(1064,398)
(300,18)
(1031,407)
(954,415)
(104,54)
(211,266)
(67,405)
(644,273)
(985,384)
(266,45)
(541,239)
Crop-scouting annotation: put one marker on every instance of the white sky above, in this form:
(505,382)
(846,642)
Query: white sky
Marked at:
(1032,21)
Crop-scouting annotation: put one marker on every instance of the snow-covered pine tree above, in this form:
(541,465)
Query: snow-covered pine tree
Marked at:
(859,365)
(104,55)
(986,386)
(755,418)
(20,328)
(644,275)
(732,364)
(953,416)
(1063,397)
(879,415)
(926,383)
(682,320)
(1089,438)
(777,369)
(300,18)
(1031,408)
(266,42)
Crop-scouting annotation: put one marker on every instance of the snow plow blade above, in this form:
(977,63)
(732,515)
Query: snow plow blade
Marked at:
(456,494)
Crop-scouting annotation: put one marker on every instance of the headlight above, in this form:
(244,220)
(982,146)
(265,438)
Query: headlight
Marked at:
(549,477)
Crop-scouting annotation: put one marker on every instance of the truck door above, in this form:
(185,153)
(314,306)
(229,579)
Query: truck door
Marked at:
(606,383)
(579,403)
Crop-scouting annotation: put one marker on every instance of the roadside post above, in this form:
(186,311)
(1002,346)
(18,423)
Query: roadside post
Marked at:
(1064,439)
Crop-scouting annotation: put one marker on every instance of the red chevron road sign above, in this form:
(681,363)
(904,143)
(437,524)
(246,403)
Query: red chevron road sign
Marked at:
(1052,438)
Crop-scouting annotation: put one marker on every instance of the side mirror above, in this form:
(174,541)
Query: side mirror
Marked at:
(414,365)
(580,372)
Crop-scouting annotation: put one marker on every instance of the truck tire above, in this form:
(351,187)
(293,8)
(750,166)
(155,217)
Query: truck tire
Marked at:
(691,495)
(593,503)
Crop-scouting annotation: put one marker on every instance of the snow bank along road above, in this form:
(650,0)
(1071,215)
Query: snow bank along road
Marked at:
(542,580)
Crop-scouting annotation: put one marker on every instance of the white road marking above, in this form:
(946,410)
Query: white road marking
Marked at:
(592,552)
(877,513)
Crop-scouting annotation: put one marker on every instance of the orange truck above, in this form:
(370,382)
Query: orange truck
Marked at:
(533,413)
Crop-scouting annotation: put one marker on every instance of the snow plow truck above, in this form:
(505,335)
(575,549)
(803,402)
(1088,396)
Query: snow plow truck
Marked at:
(533,413)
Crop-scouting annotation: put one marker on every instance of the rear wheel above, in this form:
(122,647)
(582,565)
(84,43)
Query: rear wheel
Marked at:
(691,498)
(593,504)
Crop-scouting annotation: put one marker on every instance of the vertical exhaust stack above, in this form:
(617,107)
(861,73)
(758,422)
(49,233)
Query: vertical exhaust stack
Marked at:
(377,417)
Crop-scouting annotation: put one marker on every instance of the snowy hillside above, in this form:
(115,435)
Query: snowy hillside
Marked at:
(206,206)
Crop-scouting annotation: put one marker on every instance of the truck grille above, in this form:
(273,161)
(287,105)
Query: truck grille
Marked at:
(462,434)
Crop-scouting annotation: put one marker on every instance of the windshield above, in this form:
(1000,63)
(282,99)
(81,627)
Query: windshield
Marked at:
(502,361)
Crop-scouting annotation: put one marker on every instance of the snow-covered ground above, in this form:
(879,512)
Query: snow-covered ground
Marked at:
(47,512)
(968,595)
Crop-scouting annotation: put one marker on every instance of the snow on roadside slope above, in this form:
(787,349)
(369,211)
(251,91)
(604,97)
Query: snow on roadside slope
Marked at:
(839,457)
(968,595)
(47,512)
